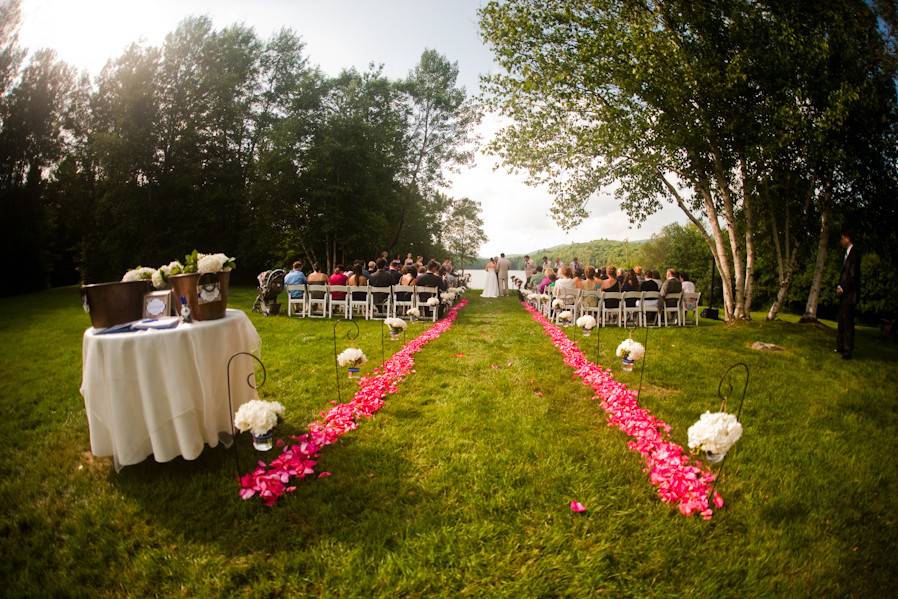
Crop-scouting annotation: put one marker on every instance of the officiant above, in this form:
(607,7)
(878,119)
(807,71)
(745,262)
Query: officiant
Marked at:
(848,291)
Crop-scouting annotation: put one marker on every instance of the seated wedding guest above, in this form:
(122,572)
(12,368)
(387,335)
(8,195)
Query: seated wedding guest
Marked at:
(295,277)
(548,282)
(409,274)
(603,273)
(338,278)
(687,285)
(591,283)
(395,272)
(547,272)
(631,283)
(408,259)
(431,278)
(536,278)
(671,285)
(649,284)
(381,277)
(565,280)
(638,270)
(358,278)
(317,277)
(372,266)
(611,285)
(656,276)
(420,261)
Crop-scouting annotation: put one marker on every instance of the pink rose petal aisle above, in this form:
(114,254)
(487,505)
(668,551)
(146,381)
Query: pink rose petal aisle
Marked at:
(297,460)
(668,465)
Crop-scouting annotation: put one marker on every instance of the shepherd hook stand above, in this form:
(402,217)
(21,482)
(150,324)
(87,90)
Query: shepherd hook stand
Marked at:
(724,392)
(645,345)
(350,336)
(249,381)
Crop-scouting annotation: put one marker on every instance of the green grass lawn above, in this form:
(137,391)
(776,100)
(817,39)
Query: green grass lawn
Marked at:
(460,485)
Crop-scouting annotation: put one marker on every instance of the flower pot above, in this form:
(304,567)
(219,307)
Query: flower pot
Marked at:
(110,304)
(263,442)
(207,294)
(394,334)
(353,372)
(627,364)
(714,458)
(586,332)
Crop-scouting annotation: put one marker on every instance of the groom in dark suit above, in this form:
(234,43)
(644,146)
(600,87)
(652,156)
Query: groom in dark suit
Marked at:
(849,291)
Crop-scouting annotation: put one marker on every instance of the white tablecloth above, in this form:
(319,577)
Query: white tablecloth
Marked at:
(165,393)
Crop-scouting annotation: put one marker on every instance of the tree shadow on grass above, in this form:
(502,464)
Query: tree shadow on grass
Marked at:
(368,501)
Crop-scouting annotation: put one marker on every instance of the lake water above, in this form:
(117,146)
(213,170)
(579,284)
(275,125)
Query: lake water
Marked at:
(478,277)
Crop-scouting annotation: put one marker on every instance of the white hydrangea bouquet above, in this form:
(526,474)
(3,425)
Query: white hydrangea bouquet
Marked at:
(413,313)
(162,274)
(565,317)
(142,273)
(715,433)
(586,323)
(351,358)
(433,302)
(206,263)
(630,351)
(396,326)
(557,303)
(259,418)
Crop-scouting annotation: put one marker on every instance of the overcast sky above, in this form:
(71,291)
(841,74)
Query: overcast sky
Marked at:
(339,34)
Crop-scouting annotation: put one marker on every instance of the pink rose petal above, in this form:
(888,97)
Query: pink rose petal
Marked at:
(578,507)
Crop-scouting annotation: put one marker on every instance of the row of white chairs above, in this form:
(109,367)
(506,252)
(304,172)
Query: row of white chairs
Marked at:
(370,303)
(612,308)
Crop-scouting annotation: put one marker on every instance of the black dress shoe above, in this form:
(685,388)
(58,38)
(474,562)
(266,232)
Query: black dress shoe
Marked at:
(838,351)
(846,356)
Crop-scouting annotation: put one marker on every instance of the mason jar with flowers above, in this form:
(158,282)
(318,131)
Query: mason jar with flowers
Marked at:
(351,359)
(259,418)
(629,351)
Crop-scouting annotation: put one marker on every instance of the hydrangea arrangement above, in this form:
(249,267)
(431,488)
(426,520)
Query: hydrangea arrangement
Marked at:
(351,357)
(205,263)
(257,416)
(396,325)
(143,273)
(715,433)
(433,302)
(630,350)
(414,312)
(586,322)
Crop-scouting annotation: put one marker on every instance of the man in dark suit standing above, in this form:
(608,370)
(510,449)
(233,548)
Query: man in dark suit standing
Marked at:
(849,292)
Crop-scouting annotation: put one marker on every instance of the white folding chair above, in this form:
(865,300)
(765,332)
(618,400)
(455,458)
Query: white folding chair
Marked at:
(570,298)
(422,294)
(379,302)
(634,311)
(403,300)
(358,304)
(649,304)
(296,305)
(591,303)
(689,303)
(338,305)
(615,312)
(317,299)
(670,305)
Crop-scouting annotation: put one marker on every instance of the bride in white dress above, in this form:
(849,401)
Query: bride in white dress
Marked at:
(491,287)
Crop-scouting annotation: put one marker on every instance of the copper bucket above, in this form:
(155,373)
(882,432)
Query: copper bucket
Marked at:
(199,289)
(110,304)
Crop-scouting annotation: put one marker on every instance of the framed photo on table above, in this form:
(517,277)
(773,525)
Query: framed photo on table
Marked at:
(157,304)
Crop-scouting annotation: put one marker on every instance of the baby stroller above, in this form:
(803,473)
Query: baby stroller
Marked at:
(271,284)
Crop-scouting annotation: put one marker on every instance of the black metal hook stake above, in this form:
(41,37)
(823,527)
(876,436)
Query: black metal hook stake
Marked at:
(249,381)
(383,360)
(724,392)
(350,336)
(645,354)
(598,342)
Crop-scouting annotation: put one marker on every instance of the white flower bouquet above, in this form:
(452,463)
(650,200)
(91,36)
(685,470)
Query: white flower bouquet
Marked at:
(414,313)
(396,326)
(566,317)
(557,303)
(259,418)
(433,302)
(629,351)
(205,263)
(162,274)
(586,323)
(351,356)
(141,273)
(714,433)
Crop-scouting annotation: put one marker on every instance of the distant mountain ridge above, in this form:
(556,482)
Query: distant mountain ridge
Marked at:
(599,252)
